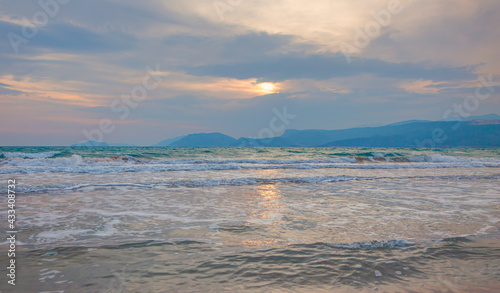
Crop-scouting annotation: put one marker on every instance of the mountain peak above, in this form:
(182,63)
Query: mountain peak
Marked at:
(213,139)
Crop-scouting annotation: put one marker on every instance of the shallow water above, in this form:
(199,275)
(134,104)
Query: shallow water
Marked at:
(254,220)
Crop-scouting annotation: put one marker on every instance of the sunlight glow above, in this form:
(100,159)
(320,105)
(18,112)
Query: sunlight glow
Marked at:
(267,87)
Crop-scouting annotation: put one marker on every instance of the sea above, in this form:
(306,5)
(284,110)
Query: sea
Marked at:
(165,219)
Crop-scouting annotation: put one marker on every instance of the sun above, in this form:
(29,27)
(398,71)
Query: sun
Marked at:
(267,87)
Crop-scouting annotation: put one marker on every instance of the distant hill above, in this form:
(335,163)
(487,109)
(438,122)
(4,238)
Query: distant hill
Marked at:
(438,134)
(484,122)
(205,140)
(407,122)
(93,143)
(168,142)
(121,145)
(405,133)
(470,118)
(309,138)
(269,142)
(473,131)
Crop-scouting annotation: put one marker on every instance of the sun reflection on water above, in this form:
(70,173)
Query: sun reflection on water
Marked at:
(267,212)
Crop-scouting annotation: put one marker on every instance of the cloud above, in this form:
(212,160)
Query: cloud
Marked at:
(94,51)
(7,91)
(455,33)
(65,37)
(321,67)
(244,46)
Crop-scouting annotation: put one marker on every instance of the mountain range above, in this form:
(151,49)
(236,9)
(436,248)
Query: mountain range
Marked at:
(473,131)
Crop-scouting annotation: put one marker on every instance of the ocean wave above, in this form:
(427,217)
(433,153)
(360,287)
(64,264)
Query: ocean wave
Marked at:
(42,155)
(243,181)
(45,162)
(437,158)
(75,167)
(254,161)
(36,158)
(370,245)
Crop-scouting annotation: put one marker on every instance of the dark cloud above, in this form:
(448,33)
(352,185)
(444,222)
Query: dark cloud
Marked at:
(100,13)
(203,49)
(65,37)
(254,44)
(322,67)
(6,91)
(5,45)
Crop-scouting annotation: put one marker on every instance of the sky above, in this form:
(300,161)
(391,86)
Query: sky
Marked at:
(139,72)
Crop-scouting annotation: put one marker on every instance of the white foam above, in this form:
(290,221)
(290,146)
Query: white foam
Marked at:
(248,181)
(77,164)
(368,245)
(438,158)
(59,234)
(108,229)
(30,155)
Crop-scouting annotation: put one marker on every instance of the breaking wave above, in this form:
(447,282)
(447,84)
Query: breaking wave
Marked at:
(42,155)
(55,162)
(369,245)
(243,181)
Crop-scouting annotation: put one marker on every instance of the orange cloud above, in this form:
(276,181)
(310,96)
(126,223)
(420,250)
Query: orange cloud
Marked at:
(65,92)
(226,88)
(421,86)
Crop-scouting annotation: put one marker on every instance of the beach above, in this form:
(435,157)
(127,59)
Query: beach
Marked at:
(146,219)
